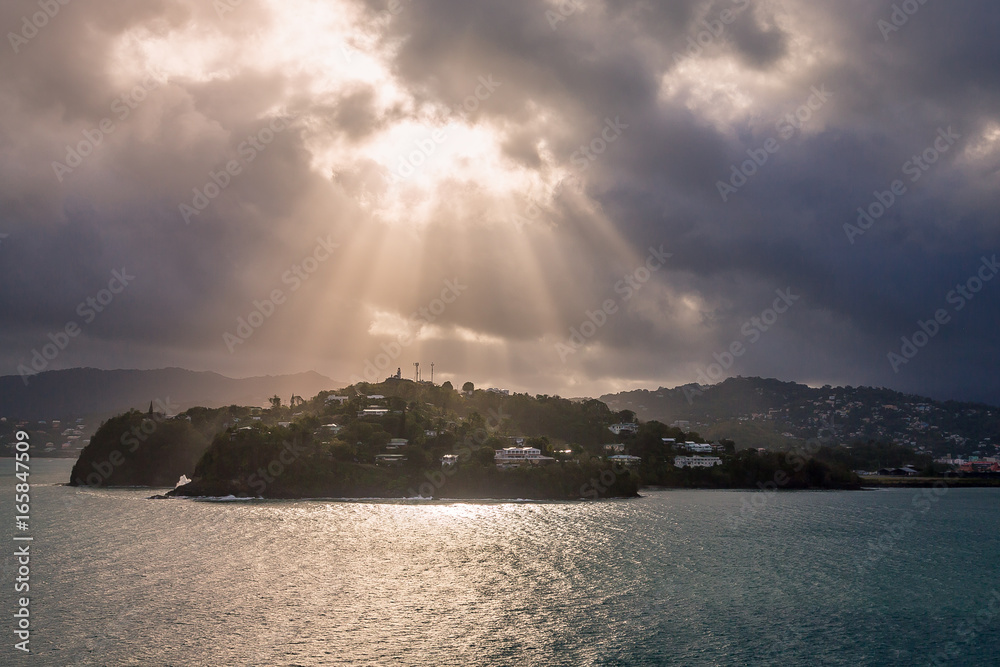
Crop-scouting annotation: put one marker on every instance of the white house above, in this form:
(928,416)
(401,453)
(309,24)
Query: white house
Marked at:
(616,448)
(618,429)
(515,456)
(699,448)
(338,399)
(374,412)
(696,461)
(397,443)
(626,460)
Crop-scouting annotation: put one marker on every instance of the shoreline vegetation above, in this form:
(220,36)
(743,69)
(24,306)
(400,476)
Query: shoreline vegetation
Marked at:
(401,439)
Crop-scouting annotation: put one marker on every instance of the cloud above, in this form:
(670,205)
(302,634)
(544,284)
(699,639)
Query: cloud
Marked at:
(442,140)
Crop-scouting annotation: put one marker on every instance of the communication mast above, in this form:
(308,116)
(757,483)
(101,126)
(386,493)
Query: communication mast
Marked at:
(416,371)
(432,372)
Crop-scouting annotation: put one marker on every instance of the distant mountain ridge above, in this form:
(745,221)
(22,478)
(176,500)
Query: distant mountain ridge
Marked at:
(79,392)
(767,413)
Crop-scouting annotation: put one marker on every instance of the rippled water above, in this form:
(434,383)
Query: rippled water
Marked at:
(673,578)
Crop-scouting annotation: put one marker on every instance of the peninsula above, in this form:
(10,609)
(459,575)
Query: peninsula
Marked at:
(405,439)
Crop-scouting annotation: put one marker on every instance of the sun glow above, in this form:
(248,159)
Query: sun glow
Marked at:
(986,146)
(414,173)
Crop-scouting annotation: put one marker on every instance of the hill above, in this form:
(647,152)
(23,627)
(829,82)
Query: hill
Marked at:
(89,392)
(402,439)
(770,413)
(144,449)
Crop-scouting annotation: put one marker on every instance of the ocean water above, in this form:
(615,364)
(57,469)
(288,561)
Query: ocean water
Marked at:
(672,578)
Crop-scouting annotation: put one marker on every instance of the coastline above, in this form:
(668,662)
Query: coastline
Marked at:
(930,482)
(196,491)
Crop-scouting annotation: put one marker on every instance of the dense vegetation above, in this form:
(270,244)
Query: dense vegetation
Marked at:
(330,446)
(874,455)
(753,470)
(145,449)
(292,463)
(743,469)
(758,412)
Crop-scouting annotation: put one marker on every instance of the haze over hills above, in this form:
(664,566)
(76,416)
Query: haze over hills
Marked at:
(770,413)
(80,392)
(755,412)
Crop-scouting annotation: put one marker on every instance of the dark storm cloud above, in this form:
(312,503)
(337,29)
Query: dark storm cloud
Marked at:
(691,115)
(759,43)
(786,227)
(119,208)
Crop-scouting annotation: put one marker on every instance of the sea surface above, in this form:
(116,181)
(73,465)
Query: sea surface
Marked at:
(889,577)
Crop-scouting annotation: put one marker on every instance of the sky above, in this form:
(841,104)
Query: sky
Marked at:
(570,198)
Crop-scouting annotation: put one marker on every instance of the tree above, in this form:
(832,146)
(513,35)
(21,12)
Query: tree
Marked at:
(341,451)
(443,395)
(541,443)
(484,456)
(495,442)
(625,417)
(275,401)
(468,387)
(416,459)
